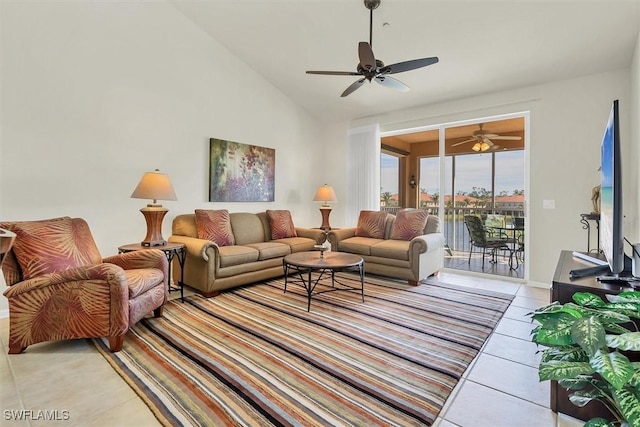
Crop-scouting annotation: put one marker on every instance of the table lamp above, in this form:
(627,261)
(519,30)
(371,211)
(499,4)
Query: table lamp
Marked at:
(325,194)
(6,242)
(155,186)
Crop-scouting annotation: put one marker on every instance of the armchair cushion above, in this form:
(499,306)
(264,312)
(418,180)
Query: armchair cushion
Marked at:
(70,245)
(214,225)
(409,224)
(281,224)
(371,224)
(140,280)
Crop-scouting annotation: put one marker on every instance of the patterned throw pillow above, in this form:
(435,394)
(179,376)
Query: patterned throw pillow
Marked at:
(215,226)
(409,224)
(371,224)
(281,224)
(57,244)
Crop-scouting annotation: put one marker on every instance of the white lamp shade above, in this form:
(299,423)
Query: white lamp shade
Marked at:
(155,186)
(325,194)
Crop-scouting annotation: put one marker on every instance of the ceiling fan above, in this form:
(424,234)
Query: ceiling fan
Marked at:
(371,68)
(484,140)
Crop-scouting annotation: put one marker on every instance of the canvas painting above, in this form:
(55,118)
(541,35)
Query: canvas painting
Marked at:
(241,172)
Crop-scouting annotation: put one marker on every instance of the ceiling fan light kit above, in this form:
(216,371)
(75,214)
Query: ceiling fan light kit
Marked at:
(369,68)
(483,140)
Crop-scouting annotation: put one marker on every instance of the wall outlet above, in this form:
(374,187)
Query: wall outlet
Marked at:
(548,204)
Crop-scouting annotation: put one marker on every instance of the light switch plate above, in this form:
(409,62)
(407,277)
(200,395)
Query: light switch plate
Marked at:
(548,204)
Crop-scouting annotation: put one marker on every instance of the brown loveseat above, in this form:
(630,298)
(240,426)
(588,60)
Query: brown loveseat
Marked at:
(211,267)
(391,248)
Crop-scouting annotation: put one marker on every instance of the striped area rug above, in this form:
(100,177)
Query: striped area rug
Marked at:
(255,356)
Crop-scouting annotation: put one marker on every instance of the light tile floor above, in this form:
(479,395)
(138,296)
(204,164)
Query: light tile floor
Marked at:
(74,383)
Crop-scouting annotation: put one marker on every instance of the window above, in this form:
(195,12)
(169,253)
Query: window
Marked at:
(389,180)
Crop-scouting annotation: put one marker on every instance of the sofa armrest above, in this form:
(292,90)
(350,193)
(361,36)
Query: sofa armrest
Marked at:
(198,248)
(312,233)
(109,273)
(427,242)
(334,236)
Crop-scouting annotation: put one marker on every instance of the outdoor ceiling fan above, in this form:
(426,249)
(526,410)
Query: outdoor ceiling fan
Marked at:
(371,68)
(484,140)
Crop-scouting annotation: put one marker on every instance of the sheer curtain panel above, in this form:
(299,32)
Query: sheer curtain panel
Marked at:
(363,171)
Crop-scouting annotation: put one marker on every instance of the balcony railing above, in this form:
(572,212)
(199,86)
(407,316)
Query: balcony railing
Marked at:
(453,227)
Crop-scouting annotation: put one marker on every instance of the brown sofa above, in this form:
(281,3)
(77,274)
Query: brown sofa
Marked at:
(210,268)
(413,259)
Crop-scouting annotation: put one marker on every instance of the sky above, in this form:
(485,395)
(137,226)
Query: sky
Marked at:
(472,170)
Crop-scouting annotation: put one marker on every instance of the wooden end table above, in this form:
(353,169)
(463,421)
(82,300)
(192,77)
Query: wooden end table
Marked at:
(305,263)
(171,250)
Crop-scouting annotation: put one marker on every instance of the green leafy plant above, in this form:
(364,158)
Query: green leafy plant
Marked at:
(583,343)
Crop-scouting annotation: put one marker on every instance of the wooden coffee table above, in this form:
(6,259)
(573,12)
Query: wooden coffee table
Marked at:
(305,263)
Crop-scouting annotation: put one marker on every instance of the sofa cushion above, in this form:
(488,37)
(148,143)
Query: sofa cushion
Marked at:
(409,224)
(281,224)
(299,244)
(51,245)
(371,224)
(235,255)
(268,250)
(394,249)
(214,225)
(247,228)
(358,245)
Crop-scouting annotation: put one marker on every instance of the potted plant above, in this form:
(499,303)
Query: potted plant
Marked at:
(584,343)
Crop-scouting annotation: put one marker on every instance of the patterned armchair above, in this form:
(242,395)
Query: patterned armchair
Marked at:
(59,287)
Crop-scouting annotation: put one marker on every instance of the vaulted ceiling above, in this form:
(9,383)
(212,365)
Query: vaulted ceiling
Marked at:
(483,46)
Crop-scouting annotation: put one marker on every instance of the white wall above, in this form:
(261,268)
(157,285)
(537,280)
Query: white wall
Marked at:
(567,121)
(96,93)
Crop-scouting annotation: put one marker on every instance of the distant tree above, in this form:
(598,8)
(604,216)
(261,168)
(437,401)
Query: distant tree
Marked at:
(435,198)
(385,198)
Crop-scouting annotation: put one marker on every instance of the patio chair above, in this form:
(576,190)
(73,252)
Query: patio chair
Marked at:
(480,238)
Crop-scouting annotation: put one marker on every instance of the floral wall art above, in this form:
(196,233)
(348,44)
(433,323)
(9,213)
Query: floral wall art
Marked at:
(241,172)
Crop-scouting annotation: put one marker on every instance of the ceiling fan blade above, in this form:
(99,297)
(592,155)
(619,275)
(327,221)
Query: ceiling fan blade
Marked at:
(401,67)
(334,73)
(354,86)
(392,83)
(367,59)
(463,142)
(508,138)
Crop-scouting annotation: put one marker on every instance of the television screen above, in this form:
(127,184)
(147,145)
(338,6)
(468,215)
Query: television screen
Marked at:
(611,236)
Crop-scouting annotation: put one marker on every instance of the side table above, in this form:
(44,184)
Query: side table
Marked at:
(171,250)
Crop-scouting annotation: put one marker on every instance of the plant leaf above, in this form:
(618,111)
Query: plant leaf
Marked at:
(559,370)
(608,315)
(582,397)
(627,341)
(614,367)
(555,330)
(589,334)
(615,328)
(588,299)
(575,383)
(568,354)
(598,422)
(626,296)
(629,406)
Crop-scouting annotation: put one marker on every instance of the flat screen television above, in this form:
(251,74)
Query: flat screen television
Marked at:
(611,234)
